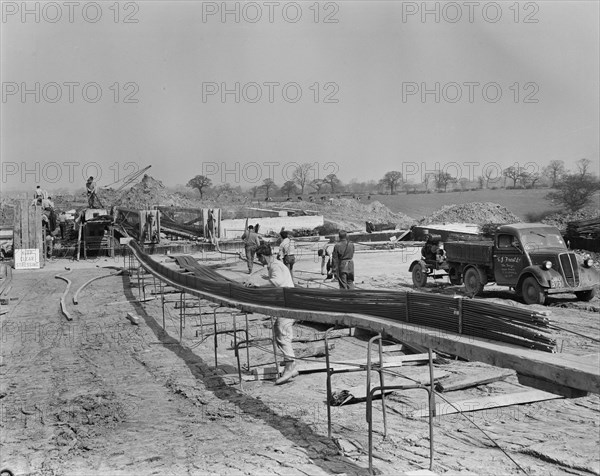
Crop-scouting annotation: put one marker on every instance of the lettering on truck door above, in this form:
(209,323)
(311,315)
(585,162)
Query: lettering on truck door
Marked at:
(509,259)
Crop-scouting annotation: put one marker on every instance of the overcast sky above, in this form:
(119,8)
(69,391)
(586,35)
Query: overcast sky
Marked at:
(516,83)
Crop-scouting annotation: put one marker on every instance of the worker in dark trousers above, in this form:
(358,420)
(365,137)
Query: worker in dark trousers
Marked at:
(62,223)
(343,264)
(251,243)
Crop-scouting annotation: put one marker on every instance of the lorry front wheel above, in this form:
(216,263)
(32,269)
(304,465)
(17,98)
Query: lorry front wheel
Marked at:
(419,275)
(532,292)
(473,284)
(586,295)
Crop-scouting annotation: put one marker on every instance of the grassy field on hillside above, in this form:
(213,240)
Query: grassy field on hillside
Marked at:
(520,202)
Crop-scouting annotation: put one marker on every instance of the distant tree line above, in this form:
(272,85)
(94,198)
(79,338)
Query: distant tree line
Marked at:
(571,189)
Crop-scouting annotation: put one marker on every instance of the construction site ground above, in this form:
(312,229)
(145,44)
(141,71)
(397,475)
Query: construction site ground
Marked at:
(99,395)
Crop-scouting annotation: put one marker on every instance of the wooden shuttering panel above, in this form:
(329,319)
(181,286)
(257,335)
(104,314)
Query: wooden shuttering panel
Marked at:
(28,232)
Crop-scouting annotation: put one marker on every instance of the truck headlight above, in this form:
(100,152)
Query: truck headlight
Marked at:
(547,264)
(588,262)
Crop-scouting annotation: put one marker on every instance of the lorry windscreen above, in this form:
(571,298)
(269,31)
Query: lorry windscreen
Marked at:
(542,239)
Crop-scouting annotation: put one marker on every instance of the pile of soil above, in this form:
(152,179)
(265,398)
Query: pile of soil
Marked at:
(349,214)
(88,416)
(477,213)
(149,192)
(560,219)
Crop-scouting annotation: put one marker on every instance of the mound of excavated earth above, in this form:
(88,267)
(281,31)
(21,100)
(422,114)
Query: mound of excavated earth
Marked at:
(148,192)
(477,213)
(350,214)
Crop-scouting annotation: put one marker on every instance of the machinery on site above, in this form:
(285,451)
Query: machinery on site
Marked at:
(531,258)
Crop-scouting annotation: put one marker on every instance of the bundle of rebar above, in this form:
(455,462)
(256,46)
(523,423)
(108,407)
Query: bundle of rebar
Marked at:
(455,315)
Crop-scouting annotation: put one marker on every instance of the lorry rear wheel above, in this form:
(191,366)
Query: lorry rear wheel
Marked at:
(586,295)
(419,275)
(473,284)
(532,292)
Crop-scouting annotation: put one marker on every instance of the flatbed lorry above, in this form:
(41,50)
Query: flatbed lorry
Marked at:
(530,258)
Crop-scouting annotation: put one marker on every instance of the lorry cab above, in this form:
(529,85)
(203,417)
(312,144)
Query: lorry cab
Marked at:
(509,257)
(532,258)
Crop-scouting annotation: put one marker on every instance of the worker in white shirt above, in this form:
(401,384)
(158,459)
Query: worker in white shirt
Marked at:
(287,251)
(326,253)
(279,276)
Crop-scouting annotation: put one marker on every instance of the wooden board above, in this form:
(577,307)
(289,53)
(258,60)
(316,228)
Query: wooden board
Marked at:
(27,228)
(486,403)
(388,362)
(466,381)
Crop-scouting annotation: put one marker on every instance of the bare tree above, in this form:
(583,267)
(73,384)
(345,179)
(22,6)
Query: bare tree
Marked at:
(442,179)
(318,184)
(427,178)
(268,186)
(575,191)
(199,182)
(302,175)
(223,190)
(289,188)
(582,166)
(554,171)
(332,181)
(392,179)
(533,178)
(513,173)
(488,173)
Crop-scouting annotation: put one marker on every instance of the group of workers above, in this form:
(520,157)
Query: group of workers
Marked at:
(50,220)
(336,259)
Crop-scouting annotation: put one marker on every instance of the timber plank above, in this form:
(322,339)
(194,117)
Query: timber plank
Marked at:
(467,381)
(487,403)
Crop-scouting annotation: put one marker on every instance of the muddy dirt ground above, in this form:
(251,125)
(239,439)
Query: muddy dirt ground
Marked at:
(98,395)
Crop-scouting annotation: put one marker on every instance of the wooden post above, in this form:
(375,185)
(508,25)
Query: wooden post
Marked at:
(79,240)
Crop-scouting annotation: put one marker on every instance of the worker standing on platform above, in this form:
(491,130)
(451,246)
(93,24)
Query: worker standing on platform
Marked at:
(287,251)
(90,187)
(279,276)
(210,226)
(38,195)
(62,223)
(343,263)
(251,243)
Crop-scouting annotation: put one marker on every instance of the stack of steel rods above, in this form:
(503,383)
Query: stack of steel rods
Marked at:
(445,313)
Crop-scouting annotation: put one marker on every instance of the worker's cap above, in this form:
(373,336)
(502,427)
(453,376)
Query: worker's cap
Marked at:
(91,179)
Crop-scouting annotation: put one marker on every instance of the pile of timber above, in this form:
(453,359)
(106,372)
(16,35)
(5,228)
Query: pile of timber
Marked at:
(584,228)
(584,234)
